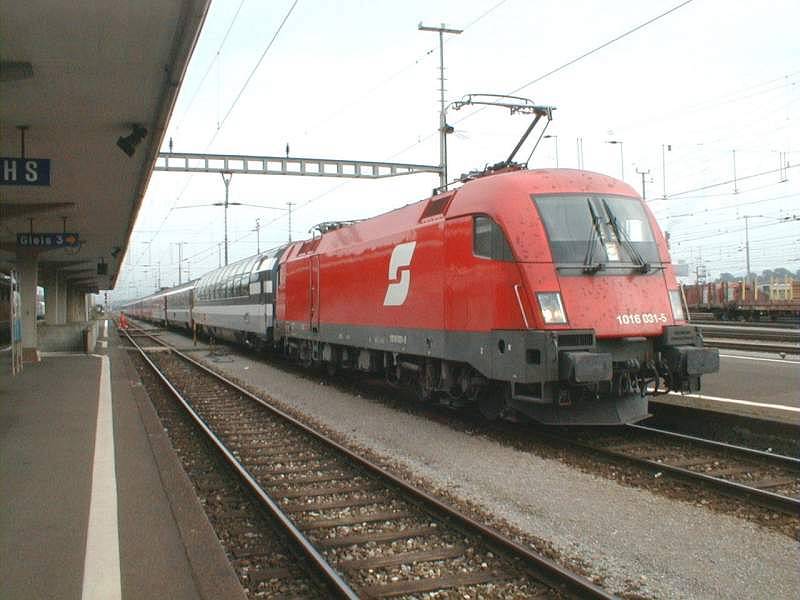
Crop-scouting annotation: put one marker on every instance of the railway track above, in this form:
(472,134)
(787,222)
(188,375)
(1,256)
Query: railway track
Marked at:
(791,325)
(367,532)
(751,333)
(756,346)
(264,560)
(756,339)
(770,480)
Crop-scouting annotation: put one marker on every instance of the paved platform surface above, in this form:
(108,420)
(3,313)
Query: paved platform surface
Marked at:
(94,503)
(762,386)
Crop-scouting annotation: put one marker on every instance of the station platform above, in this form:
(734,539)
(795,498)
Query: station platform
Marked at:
(94,502)
(761,386)
(763,411)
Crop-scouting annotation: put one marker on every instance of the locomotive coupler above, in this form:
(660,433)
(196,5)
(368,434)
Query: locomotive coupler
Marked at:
(684,359)
(691,360)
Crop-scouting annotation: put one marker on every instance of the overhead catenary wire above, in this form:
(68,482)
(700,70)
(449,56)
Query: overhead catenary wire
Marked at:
(720,183)
(210,65)
(255,67)
(230,109)
(212,247)
(557,69)
(429,52)
(553,71)
(698,181)
(540,78)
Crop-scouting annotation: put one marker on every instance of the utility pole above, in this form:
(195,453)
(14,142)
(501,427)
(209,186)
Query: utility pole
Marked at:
(180,262)
(579,143)
(621,158)
(643,173)
(783,165)
(747,239)
(149,255)
(555,140)
(290,205)
(226,179)
(444,128)
(258,235)
(735,185)
(664,149)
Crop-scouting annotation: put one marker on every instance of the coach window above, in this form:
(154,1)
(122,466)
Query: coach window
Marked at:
(488,240)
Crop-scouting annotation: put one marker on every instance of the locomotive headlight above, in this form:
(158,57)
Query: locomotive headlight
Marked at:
(552,308)
(677,305)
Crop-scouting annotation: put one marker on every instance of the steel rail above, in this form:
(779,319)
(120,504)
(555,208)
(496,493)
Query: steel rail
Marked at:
(555,573)
(781,459)
(331,576)
(751,335)
(788,325)
(751,346)
(764,498)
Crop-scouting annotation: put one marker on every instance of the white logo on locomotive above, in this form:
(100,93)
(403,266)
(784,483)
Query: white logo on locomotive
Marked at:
(397,291)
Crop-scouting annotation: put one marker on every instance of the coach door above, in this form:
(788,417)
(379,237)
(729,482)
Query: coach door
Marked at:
(314,291)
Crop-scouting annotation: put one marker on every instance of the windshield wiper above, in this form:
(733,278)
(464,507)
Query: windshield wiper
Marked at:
(588,265)
(622,238)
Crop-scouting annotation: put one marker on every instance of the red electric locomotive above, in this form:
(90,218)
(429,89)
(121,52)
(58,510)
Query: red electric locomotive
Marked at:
(543,293)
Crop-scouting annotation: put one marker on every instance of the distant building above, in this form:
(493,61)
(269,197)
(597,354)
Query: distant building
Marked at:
(784,291)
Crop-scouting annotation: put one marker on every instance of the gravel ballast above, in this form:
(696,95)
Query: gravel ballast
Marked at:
(635,542)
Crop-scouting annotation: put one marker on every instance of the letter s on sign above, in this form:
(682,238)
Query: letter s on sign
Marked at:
(397,291)
(31,174)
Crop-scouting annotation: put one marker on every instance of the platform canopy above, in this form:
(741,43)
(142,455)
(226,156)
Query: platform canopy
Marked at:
(75,77)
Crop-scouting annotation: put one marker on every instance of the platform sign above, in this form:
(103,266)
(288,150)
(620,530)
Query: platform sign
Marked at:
(48,240)
(24,171)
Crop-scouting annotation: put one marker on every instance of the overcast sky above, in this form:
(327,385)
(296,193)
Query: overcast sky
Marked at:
(357,80)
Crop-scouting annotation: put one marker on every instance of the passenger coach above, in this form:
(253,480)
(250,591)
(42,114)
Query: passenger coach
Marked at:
(237,302)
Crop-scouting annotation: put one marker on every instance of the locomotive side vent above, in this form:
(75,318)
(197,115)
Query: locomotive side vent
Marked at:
(572,340)
(436,206)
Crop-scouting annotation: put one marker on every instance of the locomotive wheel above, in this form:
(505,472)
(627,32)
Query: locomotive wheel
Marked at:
(330,369)
(422,393)
(492,402)
(424,383)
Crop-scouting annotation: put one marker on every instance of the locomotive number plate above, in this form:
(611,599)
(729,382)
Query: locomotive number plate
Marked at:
(639,318)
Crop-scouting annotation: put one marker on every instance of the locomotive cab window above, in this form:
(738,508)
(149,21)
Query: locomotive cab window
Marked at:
(597,230)
(488,240)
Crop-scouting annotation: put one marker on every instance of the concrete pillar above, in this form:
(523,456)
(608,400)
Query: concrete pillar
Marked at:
(27,266)
(61,300)
(55,297)
(77,310)
(87,306)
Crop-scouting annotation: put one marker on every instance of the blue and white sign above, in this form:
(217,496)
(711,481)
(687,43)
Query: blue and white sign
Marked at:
(24,171)
(48,240)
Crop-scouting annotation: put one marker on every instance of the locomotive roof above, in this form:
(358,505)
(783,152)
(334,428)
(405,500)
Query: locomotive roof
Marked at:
(494,194)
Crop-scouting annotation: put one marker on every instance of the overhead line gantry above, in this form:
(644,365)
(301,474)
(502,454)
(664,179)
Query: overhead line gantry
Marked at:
(285,165)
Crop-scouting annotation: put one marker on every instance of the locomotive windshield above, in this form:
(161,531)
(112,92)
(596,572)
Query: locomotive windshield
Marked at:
(597,231)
